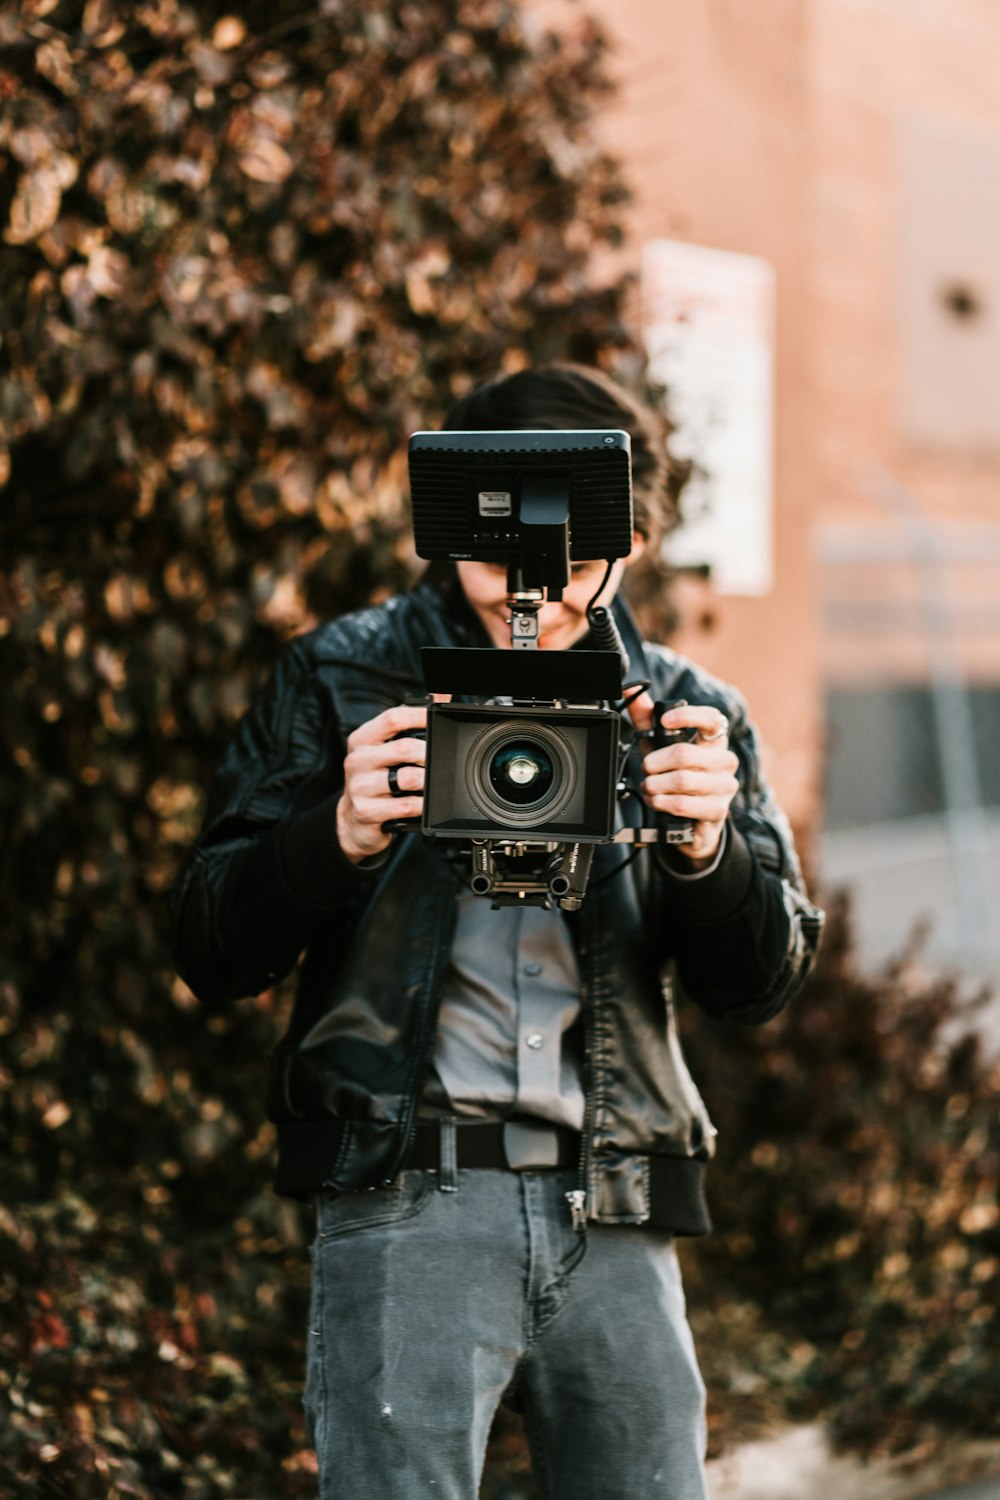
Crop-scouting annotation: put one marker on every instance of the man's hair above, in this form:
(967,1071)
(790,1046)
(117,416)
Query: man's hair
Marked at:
(567,395)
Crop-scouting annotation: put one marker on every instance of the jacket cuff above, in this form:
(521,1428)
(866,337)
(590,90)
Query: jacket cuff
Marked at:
(712,895)
(315,865)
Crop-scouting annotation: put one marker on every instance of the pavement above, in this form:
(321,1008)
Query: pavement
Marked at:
(799,1464)
(977,1489)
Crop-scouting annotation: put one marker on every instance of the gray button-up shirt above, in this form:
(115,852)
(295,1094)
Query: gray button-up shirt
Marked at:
(509,1035)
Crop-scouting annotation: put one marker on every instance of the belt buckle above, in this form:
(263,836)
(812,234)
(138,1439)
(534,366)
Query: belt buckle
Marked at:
(526,1145)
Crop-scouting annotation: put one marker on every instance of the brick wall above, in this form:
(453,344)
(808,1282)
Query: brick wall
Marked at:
(780,128)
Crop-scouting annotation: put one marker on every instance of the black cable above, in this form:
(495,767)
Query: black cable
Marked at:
(601,587)
(624,755)
(624,703)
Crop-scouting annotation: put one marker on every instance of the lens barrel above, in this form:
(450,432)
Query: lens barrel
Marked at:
(521,772)
(543,772)
(519,776)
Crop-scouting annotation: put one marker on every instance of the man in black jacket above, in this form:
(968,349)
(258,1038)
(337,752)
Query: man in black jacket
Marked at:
(490,1108)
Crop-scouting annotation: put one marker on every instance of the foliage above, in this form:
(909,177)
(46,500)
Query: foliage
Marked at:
(855,1194)
(244,254)
(246,251)
(244,258)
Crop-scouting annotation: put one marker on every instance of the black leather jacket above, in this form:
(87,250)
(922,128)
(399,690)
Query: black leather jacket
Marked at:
(267,882)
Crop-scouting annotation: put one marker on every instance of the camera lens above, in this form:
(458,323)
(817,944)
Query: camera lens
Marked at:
(521,772)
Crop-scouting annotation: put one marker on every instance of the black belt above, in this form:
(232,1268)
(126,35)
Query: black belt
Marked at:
(676,1199)
(510,1145)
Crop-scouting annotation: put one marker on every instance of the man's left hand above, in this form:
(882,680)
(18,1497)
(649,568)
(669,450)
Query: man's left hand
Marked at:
(694,779)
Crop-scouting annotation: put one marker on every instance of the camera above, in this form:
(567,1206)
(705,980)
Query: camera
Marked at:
(522,772)
(525,769)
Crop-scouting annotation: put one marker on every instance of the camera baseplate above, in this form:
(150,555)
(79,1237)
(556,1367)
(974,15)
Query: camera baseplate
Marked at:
(561,880)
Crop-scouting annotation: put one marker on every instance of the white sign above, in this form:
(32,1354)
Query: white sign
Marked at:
(708,321)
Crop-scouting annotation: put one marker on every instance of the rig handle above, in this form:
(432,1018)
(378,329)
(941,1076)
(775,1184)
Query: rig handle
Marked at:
(673,829)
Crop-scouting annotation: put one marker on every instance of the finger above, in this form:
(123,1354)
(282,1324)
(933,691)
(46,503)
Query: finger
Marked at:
(400,753)
(640,711)
(374,783)
(701,805)
(698,809)
(691,755)
(364,759)
(711,724)
(719,735)
(404,810)
(705,760)
(409,779)
(692,784)
(391,722)
(374,811)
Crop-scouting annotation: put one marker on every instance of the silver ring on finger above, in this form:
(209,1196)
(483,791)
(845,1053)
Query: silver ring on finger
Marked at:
(720,733)
(394,787)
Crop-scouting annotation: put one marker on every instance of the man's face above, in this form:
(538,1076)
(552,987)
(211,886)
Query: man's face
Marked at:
(560,623)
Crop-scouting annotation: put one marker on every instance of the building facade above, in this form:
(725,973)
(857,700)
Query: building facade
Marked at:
(853,147)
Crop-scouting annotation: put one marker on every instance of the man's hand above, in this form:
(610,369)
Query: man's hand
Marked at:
(382,744)
(695,779)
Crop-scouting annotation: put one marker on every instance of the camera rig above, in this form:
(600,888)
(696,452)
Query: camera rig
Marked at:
(526,770)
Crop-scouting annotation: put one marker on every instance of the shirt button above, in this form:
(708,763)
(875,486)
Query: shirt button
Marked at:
(532,970)
(534,1041)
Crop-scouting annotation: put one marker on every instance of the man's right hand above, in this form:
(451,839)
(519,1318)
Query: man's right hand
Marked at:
(367,802)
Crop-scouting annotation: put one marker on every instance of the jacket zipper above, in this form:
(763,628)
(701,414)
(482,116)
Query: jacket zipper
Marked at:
(577,1197)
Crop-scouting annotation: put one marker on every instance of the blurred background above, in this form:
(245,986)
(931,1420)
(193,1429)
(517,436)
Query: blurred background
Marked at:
(244,255)
(835,369)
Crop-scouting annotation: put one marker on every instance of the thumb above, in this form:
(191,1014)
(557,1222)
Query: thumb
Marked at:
(641,711)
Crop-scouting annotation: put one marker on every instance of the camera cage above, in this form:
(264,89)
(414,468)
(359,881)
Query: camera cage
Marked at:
(555,706)
(535,500)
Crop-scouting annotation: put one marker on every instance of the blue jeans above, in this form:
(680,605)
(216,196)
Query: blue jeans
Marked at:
(431,1306)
